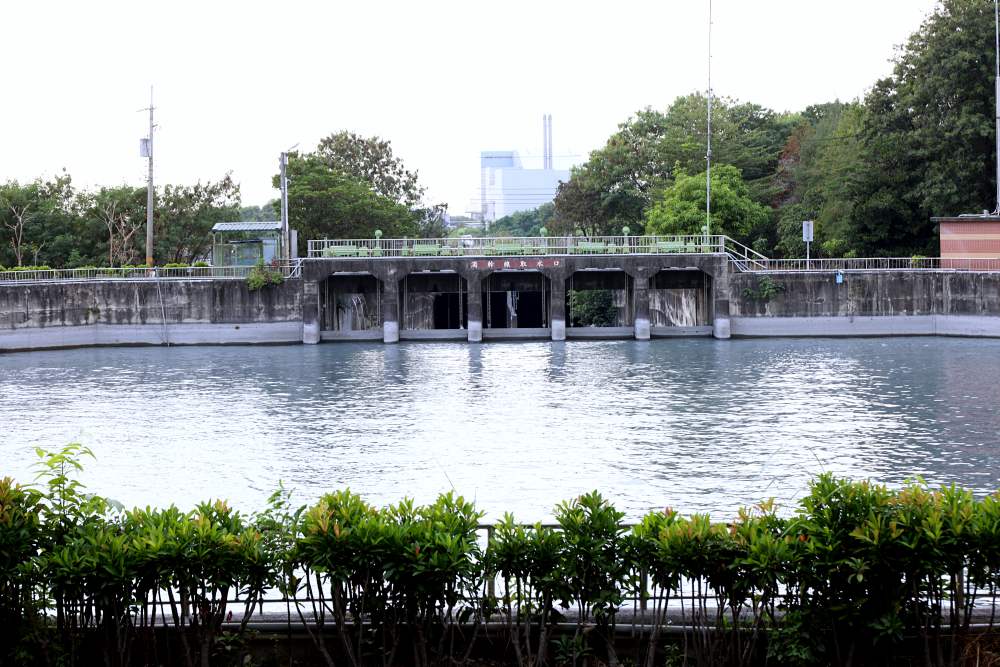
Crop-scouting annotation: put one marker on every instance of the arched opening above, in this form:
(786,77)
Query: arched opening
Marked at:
(434,305)
(680,302)
(600,303)
(350,307)
(516,303)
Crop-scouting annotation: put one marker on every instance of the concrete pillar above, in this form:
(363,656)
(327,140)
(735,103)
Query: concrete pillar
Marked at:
(557,306)
(640,294)
(310,312)
(720,299)
(390,311)
(474,285)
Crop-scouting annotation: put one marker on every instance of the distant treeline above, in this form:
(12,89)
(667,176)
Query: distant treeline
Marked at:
(871,172)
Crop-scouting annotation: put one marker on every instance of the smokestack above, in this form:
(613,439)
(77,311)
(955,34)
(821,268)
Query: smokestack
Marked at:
(545,141)
(549,145)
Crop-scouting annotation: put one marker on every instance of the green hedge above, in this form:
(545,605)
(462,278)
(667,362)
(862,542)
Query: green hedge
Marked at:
(854,572)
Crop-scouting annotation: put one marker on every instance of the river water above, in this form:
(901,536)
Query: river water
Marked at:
(699,425)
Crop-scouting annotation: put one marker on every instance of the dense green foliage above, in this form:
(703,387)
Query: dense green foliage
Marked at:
(351,186)
(592,308)
(681,208)
(524,223)
(261,276)
(856,572)
(871,173)
(50,222)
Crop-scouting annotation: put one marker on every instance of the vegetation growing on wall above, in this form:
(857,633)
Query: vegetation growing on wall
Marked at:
(263,276)
(766,289)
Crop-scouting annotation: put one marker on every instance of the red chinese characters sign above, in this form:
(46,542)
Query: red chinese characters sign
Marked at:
(515,263)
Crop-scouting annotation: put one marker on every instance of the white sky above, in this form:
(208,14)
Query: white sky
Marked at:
(237,82)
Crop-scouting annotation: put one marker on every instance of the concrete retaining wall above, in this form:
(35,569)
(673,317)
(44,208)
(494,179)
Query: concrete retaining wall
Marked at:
(179,312)
(865,304)
(120,312)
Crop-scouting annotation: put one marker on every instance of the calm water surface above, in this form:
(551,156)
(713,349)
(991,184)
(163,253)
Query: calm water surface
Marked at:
(699,425)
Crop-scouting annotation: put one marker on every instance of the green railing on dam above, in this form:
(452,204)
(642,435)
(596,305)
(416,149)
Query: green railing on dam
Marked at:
(529,245)
(742,258)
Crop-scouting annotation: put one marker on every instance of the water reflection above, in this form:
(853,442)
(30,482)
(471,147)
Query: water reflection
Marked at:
(696,424)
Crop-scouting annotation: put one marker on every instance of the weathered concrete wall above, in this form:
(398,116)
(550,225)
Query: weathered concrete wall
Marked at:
(119,312)
(866,304)
(641,268)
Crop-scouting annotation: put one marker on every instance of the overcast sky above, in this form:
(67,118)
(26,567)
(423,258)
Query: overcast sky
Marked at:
(237,82)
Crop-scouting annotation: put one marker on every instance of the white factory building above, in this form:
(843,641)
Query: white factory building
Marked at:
(507,187)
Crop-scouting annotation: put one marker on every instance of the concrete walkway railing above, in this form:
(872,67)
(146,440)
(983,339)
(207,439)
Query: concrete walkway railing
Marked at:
(980,264)
(290,269)
(518,246)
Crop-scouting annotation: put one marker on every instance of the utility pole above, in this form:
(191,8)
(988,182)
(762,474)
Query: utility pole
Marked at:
(996,19)
(286,229)
(708,154)
(147,151)
(283,181)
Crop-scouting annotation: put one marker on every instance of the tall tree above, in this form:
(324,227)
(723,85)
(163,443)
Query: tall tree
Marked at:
(681,210)
(186,214)
(327,203)
(929,133)
(579,206)
(619,182)
(371,160)
(18,202)
(36,218)
(818,173)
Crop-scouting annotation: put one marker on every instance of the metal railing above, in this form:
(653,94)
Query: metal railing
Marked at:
(519,246)
(742,257)
(289,269)
(764,265)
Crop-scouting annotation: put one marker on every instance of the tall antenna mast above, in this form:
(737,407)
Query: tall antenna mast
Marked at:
(996,18)
(708,154)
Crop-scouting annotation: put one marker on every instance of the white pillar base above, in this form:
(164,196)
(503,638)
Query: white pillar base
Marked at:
(558,329)
(390,332)
(720,328)
(475,331)
(310,333)
(641,329)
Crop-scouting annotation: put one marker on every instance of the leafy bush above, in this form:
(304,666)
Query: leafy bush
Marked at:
(40,267)
(261,276)
(766,289)
(592,308)
(853,572)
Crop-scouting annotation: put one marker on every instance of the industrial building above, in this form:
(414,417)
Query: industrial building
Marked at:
(507,187)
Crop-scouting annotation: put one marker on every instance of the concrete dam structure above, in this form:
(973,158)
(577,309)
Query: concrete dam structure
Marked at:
(628,287)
